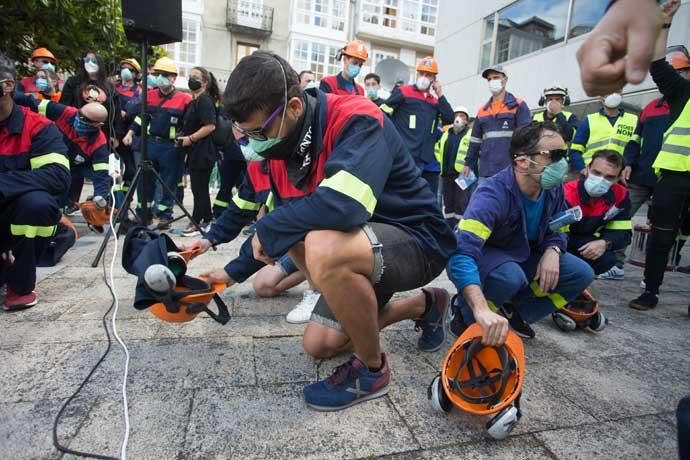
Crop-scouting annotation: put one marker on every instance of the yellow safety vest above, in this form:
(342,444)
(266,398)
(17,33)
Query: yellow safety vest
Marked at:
(540,115)
(463,146)
(675,150)
(603,136)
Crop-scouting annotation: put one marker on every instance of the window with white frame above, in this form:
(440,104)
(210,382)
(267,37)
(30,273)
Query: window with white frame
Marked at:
(320,58)
(329,14)
(187,53)
(382,56)
(415,16)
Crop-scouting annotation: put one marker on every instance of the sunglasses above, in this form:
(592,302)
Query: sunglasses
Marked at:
(42,61)
(92,60)
(554,155)
(259,133)
(163,74)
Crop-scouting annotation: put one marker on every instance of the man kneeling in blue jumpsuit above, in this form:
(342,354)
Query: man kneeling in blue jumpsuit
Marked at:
(510,268)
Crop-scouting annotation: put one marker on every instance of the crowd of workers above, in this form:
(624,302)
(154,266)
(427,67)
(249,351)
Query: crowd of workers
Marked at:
(361,196)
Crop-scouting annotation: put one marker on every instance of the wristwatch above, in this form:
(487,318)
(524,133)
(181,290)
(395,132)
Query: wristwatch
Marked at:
(557,249)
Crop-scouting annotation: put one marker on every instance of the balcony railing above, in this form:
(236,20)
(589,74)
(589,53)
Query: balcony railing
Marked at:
(248,17)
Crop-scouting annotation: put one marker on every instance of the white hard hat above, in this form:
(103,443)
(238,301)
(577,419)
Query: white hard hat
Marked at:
(462,109)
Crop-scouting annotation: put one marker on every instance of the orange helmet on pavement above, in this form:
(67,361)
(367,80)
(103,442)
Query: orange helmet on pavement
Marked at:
(427,64)
(190,297)
(582,312)
(483,380)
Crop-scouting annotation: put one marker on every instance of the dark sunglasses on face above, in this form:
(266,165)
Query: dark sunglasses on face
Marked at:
(90,59)
(554,155)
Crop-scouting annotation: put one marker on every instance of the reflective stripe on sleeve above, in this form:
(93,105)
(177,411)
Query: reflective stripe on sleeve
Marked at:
(245,205)
(49,158)
(352,187)
(475,227)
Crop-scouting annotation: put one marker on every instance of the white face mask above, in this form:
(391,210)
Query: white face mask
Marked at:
(423,83)
(459,123)
(597,186)
(91,67)
(612,101)
(495,86)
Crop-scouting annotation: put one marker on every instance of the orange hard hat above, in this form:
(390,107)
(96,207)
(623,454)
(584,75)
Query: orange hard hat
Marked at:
(185,308)
(427,64)
(95,216)
(583,308)
(356,49)
(480,379)
(679,61)
(43,53)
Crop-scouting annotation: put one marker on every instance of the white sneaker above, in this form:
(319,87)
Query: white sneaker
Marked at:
(302,311)
(614,273)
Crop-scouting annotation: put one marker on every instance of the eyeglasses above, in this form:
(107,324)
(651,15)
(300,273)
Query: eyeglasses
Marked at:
(93,60)
(7,82)
(258,134)
(554,155)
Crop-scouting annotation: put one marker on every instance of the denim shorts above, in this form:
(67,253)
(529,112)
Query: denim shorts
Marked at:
(286,264)
(400,264)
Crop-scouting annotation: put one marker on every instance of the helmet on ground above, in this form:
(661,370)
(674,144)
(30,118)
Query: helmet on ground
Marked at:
(582,312)
(43,53)
(483,380)
(165,64)
(356,49)
(133,62)
(427,64)
(182,298)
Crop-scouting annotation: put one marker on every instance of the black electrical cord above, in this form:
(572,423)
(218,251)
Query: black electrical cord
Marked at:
(56,441)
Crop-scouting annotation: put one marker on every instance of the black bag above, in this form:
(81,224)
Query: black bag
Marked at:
(222,135)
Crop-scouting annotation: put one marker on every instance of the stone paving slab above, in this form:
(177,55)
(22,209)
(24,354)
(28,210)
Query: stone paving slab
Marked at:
(202,390)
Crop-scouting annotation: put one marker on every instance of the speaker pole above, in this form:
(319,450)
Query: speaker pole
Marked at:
(143,199)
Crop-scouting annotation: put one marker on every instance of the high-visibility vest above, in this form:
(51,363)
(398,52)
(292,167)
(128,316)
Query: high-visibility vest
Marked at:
(463,146)
(675,150)
(540,115)
(603,136)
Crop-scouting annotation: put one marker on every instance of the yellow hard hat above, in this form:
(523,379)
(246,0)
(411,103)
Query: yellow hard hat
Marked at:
(165,64)
(133,62)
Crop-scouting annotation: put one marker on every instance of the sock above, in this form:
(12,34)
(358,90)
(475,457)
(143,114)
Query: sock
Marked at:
(428,302)
(377,369)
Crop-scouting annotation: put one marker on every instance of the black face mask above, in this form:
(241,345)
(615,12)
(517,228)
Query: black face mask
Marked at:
(194,85)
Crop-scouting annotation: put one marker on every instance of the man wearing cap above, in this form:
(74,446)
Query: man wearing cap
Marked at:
(417,112)
(130,93)
(166,106)
(494,126)
(41,59)
(450,153)
(354,55)
(34,172)
(611,128)
(510,266)
(555,98)
(672,166)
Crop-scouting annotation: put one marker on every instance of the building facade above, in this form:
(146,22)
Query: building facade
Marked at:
(308,33)
(535,41)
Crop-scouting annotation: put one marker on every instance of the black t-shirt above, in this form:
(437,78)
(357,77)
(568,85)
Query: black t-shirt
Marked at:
(202,153)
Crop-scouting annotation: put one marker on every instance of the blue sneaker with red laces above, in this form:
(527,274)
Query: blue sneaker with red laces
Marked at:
(349,384)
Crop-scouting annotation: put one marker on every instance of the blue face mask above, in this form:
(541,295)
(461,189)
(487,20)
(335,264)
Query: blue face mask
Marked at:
(82,127)
(372,92)
(42,84)
(163,82)
(151,81)
(553,174)
(353,71)
(126,74)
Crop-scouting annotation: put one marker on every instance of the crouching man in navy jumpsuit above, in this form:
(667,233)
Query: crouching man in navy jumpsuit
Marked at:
(510,267)
(34,173)
(350,207)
